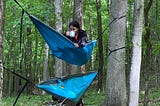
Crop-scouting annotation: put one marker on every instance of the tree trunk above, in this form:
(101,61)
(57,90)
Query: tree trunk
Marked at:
(35,76)
(100,46)
(28,59)
(45,68)
(78,16)
(2,20)
(78,12)
(46,59)
(147,38)
(59,64)
(156,34)
(91,38)
(116,79)
(136,56)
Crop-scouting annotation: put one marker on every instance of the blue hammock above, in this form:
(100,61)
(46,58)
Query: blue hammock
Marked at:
(70,88)
(62,47)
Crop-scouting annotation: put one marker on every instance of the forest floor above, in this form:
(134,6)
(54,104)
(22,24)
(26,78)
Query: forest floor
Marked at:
(90,98)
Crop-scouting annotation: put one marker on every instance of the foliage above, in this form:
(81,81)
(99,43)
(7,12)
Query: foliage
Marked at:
(91,97)
(154,97)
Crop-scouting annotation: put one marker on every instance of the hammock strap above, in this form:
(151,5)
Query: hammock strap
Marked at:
(14,104)
(20,92)
(114,50)
(21,7)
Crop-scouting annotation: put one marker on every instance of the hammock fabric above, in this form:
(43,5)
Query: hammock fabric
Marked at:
(61,46)
(70,88)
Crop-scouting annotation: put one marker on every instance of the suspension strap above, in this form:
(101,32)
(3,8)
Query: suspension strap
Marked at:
(111,51)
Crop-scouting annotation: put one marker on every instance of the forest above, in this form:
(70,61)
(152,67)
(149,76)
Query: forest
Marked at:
(126,55)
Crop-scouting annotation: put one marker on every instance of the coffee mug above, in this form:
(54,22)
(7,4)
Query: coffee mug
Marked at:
(71,33)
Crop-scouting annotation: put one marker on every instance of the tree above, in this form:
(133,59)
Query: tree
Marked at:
(100,44)
(2,17)
(116,79)
(136,52)
(46,60)
(148,52)
(78,12)
(78,16)
(58,13)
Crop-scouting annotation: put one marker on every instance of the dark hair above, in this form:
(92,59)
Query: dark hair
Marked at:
(75,24)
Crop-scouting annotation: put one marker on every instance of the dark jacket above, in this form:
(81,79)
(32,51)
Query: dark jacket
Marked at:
(81,40)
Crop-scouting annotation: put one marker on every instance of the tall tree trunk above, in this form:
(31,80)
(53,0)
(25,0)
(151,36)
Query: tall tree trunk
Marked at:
(45,68)
(91,38)
(35,76)
(78,16)
(100,46)
(136,56)
(157,58)
(59,64)
(29,58)
(2,16)
(78,12)
(116,79)
(147,39)
(46,60)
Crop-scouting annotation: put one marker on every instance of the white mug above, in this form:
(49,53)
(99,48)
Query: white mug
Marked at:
(72,34)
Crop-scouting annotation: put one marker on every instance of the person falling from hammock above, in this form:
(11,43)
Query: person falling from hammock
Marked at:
(77,36)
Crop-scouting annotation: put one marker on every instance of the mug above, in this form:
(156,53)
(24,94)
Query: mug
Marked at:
(71,33)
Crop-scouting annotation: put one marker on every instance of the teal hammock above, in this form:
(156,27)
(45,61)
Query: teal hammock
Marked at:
(70,88)
(62,47)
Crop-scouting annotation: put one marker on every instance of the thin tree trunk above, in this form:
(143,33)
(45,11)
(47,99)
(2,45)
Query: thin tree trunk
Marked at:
(2,18)
(59,64)
(147,39)
(78,16)
(46,60)
(100,46)
(35,76)
(136,56)
(29,58)
(157,59)
(45,68)
(78,12)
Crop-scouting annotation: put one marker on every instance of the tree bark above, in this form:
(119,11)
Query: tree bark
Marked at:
(59,64)
(116,79)
(136,52)
(147,38)
(78,15)
(2,21)
(100,45)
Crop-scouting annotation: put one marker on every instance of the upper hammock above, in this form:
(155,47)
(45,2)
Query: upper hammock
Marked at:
(61,46)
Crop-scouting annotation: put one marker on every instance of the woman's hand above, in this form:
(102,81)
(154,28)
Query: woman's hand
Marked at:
(76,45)
(67,33)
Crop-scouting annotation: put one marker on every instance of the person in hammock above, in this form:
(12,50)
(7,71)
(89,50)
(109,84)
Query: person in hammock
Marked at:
(79,38)
(76,34)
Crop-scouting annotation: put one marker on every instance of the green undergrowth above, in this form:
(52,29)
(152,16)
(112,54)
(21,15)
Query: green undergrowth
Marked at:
(90,98)
(153,97)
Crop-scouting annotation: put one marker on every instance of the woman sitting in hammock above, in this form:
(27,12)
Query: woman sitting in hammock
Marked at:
(76,34)
(79,38)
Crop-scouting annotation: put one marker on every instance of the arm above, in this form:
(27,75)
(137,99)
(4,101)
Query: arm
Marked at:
(83,39)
